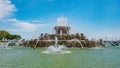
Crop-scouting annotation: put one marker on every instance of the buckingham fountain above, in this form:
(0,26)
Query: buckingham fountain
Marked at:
(77,51)
(63,36)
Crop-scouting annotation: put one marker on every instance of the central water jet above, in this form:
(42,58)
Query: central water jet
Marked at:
(56,49)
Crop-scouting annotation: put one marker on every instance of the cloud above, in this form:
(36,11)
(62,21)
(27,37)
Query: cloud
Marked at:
(35,21)
(25,26)
(6,9)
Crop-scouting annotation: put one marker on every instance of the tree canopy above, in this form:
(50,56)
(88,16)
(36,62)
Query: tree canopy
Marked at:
(6,35)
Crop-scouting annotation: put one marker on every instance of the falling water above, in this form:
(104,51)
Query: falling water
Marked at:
(76,40)
(5,45)
(56,42)
(112,43)
(61,33)
(118,43)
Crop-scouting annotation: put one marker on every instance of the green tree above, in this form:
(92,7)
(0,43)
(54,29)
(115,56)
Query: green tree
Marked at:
(0,36)
(15,36)
(6,35)
(3,34)
(9,37)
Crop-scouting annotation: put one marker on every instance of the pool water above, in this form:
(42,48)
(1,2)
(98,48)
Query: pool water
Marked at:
(25,57)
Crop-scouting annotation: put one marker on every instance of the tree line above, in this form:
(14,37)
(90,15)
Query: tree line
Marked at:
(5,35)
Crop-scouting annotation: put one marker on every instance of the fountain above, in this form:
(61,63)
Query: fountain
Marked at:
(56,49)
(61,36)
(4,45)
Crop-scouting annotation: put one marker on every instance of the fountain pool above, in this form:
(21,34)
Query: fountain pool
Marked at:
(24,57)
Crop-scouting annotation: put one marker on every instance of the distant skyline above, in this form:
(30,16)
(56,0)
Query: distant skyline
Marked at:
(28,18)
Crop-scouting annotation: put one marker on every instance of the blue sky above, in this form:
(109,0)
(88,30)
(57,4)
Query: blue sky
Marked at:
(95,18)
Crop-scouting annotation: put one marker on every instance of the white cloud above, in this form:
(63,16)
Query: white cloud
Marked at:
(6,9)
(25,26)
(36,21)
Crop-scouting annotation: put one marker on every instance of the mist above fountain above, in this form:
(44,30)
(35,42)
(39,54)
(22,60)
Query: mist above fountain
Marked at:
(56,49)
